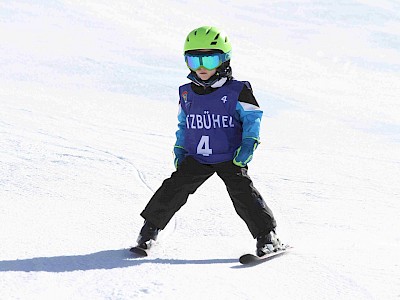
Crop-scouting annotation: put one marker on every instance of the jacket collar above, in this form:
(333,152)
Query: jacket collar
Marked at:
(213,82)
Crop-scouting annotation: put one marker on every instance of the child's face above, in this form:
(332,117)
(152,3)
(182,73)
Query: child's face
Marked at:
(205,74)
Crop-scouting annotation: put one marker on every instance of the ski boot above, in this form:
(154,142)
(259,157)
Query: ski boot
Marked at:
(147,235)
(268,243)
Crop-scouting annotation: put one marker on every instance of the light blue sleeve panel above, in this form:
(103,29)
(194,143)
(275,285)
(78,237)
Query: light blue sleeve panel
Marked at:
(250,115)
(180,133)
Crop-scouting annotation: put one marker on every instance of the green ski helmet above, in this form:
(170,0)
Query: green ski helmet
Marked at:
(207,37)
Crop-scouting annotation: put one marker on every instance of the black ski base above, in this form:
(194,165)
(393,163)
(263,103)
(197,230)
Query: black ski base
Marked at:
(247,259)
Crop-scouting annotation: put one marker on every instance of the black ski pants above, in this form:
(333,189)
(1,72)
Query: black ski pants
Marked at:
(190,175)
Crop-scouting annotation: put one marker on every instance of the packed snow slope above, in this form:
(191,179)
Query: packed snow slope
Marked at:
(88,105)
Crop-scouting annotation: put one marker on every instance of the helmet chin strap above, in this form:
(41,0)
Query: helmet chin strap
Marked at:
(205,83)
(223,74)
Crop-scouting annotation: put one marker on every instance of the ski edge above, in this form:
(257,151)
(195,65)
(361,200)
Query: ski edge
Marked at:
(249,258)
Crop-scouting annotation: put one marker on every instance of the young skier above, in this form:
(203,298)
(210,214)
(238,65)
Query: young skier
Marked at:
(218,131)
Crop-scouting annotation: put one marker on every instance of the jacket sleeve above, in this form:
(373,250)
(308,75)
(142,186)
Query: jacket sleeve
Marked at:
(180,133)
(250,113)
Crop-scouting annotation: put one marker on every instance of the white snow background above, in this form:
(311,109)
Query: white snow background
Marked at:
(88,106)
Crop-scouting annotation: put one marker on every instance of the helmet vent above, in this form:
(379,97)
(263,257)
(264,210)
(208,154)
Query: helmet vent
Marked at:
(207,37)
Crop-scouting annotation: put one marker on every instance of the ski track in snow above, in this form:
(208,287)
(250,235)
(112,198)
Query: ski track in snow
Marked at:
(140,174)
(87,121)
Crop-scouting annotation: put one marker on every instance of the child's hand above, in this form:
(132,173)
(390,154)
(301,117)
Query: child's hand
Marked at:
(180,154)
(244,153)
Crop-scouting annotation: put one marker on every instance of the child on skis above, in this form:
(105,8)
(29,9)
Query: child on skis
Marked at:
(218,131)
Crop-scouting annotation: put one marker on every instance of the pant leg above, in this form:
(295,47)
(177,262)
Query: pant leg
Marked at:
(174,191)
(248,202)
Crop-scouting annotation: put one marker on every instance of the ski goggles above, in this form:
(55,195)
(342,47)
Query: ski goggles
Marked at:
(209,61)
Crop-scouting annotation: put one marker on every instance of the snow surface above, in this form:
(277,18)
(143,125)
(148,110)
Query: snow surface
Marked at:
(88,104)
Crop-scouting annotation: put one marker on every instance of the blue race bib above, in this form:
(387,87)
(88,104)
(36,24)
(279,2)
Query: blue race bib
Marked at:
(213,130)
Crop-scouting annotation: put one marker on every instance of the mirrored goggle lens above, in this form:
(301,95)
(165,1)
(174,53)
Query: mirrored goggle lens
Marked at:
(193,62)
(209,62)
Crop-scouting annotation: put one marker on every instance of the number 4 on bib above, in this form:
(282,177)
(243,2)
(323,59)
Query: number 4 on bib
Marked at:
(203,147)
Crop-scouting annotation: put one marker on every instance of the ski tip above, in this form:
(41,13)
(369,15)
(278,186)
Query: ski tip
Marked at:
(138,251)
(247,258)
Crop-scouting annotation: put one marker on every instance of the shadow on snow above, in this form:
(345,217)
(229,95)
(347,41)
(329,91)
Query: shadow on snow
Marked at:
(109,259)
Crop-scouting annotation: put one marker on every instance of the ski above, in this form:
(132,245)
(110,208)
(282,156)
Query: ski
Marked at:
(247,259)
(139,251)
